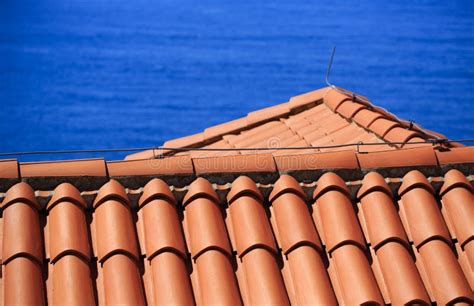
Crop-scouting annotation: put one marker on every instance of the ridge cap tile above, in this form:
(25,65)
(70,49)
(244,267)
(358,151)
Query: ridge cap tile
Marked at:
(225,128)
(9,169)
(349,109)
(111,190)
(175,164)
(74,167)
(409,157)
(333,99)
(185,141)
(241,186)
(261,162)
(156,189)
(286,184)
(456,155)
(268,113)
(200,188)
(304,99)
(66,192)
(344,159)
(383,125)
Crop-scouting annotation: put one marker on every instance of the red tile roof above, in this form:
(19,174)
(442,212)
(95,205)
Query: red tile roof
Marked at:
(321,226)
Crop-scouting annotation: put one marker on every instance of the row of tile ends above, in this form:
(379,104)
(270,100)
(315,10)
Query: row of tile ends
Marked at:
(440,277)
(345,103)
(434,161)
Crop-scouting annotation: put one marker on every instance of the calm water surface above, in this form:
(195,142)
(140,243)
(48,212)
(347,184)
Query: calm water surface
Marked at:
(108,74)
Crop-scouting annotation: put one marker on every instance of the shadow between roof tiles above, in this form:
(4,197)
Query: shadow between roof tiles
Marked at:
(245,249)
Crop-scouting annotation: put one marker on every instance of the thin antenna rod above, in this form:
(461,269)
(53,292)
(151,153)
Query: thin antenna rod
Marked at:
(330,66)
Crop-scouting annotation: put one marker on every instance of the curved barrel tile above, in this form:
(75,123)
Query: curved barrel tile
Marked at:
(310,278)
(251,226)
(22,250)
(115,231)
(216,280)
(69,248)
(21,226)
(338,220)
(170,280)
(293,220)
(458,199)
(404,284)
(263,278)
(423,215)
(122,282)
(255,244)
(165,246)
(354,276)
(446,278)
(72,282)
(300,242)
(381,217)
(204,221)
(162,226)
(23,282)
(117,249)
(67,223)
(209,246)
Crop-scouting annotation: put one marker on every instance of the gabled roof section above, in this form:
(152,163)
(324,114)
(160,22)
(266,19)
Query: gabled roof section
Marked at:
(320,119)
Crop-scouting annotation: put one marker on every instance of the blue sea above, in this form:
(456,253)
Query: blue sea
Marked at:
(112,74)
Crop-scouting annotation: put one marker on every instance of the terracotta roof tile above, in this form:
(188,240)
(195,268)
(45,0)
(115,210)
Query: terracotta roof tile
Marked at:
(263,279)
(456,156)
(204,223)
(309,277)
(9,169)
(307,98)
(115,232)
(72,284)
(447,282)
(336,214)
(67,223)
(148,232)
(294,227)
(334,99)
(22,281)
(251,228)
(86,167)
(354,277)
(458,199)
(165,166)
(336,160)
(366,117)
(382,126)
(415,157)
(423,216)
(404,284)
(268,113)
(224,128)
(235,164)
(350,109)
(380,215)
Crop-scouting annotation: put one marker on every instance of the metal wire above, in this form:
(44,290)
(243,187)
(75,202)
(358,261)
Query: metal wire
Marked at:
(355,144)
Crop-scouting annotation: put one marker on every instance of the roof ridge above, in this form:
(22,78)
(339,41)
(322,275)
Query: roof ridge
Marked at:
(347,104)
